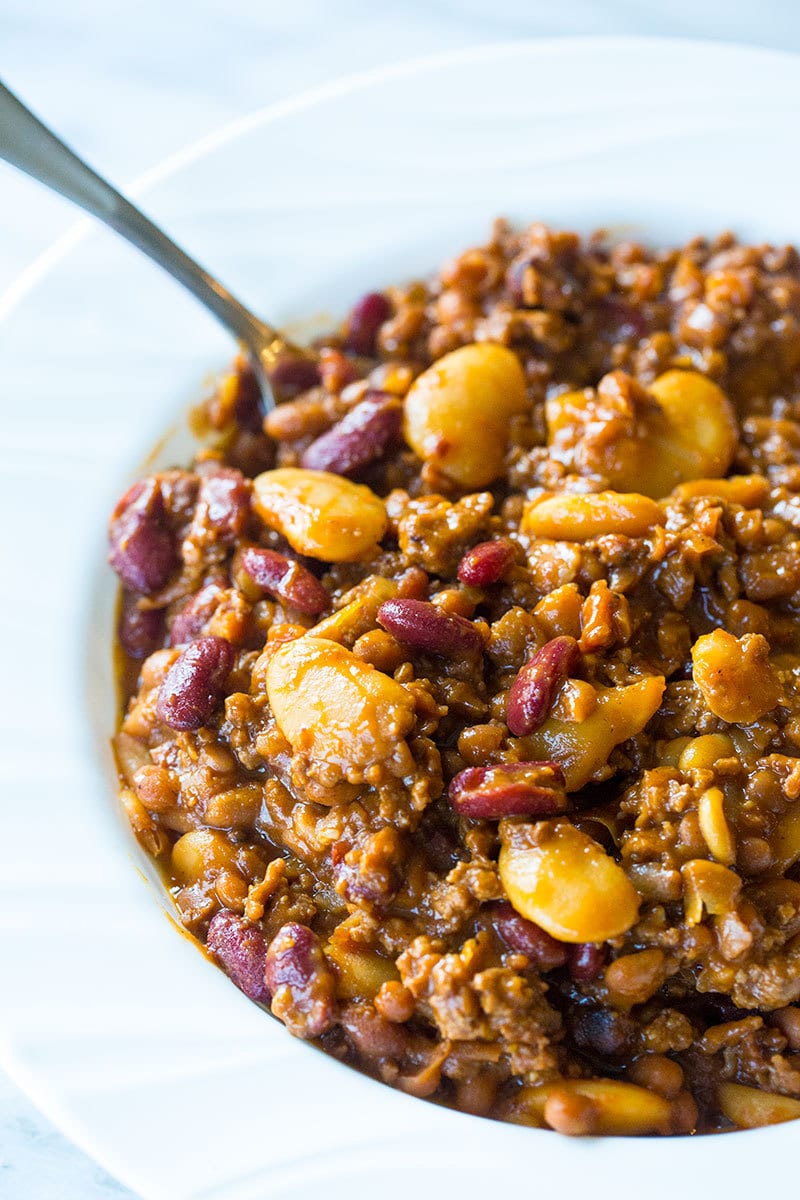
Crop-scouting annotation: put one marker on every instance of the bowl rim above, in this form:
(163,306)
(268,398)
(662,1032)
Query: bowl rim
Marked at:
(36,273)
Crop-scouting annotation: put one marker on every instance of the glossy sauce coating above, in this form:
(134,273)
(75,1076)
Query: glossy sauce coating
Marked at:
(463,697)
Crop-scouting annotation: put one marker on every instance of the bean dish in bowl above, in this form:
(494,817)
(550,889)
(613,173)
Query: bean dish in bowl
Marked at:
(462,692)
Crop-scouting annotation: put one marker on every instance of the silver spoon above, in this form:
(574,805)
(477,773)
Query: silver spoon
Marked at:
(29,145)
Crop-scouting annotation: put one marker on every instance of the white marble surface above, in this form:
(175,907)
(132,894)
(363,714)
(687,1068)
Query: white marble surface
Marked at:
(129,84)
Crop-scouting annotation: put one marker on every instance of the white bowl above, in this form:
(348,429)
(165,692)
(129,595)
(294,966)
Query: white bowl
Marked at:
(118,1027)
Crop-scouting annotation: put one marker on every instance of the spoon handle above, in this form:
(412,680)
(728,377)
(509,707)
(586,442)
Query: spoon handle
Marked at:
(29,145)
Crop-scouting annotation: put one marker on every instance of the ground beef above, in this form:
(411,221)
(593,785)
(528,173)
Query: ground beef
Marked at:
(476,756)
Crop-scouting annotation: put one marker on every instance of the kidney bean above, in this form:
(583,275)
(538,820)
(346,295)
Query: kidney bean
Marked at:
(517,284)
(190,619)
(423,626)
(526,937)
(534,688)
(366,317)
(713,1008)
(224,502)
(371,870)
(302,983)
(441,847)
(193,685)
(621,320)
(487,562)
(179,490)
(142,550)
(248,408)
(526,789)
(597,830)
(603,1031)
(359,438)
(140,630)
(292,376)
(241,950)
(284,579)
(586,961)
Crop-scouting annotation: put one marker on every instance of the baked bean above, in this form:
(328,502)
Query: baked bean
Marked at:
(770,574)
(455,600)
(754,855)
(381,649)
(240,949)
(130,754)
(659,1074)
(394,1001)
(571,1113)
(703,753)
(157,789)
(685,1113)
(237,401)
(193,685)
(336,370)
(524,789)
(202,854)
(361,437)
(534,688)
(154,840)
(478,744)
(634,978)
(425,627)
(237,806)
(529,754)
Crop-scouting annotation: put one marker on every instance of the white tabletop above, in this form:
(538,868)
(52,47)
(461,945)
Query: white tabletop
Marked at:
(129,84)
